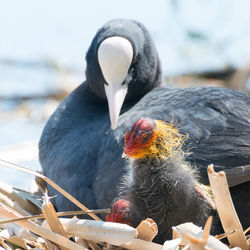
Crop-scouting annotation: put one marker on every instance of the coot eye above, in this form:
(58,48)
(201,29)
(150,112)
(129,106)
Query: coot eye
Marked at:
(134,61)
(133,64)
(145,138)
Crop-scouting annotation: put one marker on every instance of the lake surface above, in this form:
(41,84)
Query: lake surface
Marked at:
(43,45)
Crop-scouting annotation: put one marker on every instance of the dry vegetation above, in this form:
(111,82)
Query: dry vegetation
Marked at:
(29,221)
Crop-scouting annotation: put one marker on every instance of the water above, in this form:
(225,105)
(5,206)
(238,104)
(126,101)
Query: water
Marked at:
(43,44)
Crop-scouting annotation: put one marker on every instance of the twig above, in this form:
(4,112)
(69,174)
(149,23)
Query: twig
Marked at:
(225,208)
(207,228)
(54,237)
(224,235)
(247,230)
(41,216)
(50,182)
(52,219)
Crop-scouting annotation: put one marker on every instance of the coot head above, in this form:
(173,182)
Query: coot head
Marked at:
(150,139)
(122,64)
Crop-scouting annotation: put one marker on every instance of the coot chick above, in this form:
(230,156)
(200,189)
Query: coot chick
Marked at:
(80,152)
(120,212)
(160,184)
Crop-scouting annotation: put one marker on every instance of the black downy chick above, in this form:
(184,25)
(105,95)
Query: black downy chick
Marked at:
(161,185)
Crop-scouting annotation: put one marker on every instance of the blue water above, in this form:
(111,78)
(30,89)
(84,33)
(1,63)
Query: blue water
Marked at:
(43,44)
(190,35)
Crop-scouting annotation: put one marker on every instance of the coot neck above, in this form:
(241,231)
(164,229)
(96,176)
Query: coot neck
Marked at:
(171,168)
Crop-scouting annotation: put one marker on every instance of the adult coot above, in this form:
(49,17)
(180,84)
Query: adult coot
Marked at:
(79,150)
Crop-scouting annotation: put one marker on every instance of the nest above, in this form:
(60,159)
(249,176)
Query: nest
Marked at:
(29,221)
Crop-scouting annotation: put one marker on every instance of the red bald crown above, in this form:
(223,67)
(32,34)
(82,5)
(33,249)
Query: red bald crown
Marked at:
(139,135)
(120,212)
(144,124)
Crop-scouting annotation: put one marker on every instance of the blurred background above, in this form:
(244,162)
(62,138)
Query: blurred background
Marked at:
(43,46)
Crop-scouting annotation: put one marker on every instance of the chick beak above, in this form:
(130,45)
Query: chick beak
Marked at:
(125,156)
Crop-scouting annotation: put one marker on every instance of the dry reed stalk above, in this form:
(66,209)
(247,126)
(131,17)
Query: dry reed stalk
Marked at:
(196,231)
(207,228)
(224,235)
(46,244)
(54,237)
(137,244)
(81,242)
(5,200)
(93,245)
(6,246)
(225,208)
(41,216)
(16,196)
(199,244)
(147,230)
(113,233)
(52,219)
(41,184)
(246,230)
(176,235)
(98,231)
(35,244)
(173,244)
(50,182)
(194,243)
(21,232)
(17,241)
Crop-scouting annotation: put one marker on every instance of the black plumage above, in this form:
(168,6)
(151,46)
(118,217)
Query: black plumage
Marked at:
(160,184)
(80,152)
(165,193)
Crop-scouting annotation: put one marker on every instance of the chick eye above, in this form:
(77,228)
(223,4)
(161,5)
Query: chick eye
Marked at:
(145,138)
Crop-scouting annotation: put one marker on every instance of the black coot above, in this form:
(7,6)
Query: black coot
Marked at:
(80,151)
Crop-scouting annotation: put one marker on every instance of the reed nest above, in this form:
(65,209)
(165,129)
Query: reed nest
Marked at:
(29,221)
